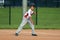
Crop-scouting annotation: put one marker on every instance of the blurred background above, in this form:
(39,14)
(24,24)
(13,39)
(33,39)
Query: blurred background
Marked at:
(48,14)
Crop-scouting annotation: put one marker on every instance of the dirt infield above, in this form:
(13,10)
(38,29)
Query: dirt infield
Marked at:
(26,35)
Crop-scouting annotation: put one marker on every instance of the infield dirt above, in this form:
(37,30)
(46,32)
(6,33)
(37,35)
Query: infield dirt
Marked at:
(25,34)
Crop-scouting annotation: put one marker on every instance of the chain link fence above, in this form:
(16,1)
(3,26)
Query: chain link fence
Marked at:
(47,12)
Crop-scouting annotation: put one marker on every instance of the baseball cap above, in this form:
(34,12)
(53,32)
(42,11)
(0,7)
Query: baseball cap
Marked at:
(32,4)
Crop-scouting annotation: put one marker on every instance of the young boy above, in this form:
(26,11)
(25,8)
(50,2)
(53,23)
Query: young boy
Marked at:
(27,17)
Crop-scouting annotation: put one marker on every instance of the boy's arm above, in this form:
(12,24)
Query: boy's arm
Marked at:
(31,18)
(34,13)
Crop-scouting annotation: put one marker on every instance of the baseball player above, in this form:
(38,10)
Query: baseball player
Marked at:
(27,17)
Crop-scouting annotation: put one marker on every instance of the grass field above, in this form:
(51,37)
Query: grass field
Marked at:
(48,18)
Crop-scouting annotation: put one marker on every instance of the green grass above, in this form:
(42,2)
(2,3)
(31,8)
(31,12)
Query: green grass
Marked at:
(4,15)
(48,18)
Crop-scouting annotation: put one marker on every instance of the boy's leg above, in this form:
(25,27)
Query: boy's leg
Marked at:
(32,26)
(21,26)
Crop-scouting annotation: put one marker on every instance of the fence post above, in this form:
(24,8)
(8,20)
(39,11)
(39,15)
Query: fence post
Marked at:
(10,13)
(24,2)
(36,1)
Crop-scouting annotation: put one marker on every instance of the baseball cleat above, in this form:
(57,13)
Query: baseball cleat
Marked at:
(16,34)
(34,34)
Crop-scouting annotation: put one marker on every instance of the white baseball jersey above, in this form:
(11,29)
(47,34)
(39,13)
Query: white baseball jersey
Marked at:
(28,13)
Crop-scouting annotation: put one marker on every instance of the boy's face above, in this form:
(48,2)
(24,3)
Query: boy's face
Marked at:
(32,7)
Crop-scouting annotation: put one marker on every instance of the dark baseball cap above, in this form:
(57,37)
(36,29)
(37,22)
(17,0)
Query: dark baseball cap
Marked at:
(32,4)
